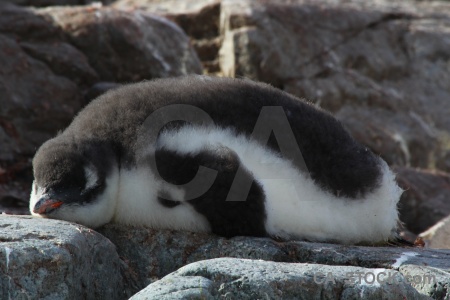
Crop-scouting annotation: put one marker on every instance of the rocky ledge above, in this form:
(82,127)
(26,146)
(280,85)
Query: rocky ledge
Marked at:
(51,259)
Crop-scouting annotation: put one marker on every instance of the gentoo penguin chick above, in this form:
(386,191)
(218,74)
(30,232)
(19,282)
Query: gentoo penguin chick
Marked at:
(228,156)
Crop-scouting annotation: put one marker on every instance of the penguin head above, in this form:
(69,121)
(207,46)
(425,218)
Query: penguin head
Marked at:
(70,183)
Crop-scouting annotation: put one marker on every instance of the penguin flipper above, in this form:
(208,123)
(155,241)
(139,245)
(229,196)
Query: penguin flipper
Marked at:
(227,218)
(180,168)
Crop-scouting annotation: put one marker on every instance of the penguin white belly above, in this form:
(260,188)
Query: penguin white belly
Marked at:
(137,204)
(295,206)
(309,212)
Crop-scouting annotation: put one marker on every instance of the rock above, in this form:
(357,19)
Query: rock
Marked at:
(438,236)
(380,57)
(39,94)
(126,46)
(419,275)
(39,3)
(178,287)
(228,278)
(35,101)
(44,258)
(199,19)
(152,254)
(98,89)
(400,138)
(15,188)
(49,259)
(425,199)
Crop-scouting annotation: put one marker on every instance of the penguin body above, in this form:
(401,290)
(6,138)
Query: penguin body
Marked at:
(105,167)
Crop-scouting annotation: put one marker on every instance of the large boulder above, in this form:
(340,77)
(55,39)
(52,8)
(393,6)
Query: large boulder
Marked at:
(126,46)
(198,18)
(50,259)
(40,76)
(228,278)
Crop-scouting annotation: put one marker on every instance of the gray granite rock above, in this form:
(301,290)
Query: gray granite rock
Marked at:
(198,18)
(178,287)
(428,281)
(49,259)
(40,3)
(126,46)
(152,254)
(230,278)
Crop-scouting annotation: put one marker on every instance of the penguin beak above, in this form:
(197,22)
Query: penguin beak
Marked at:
(46,205)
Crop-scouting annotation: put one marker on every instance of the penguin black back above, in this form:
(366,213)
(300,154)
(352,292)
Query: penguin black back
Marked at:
(333,158)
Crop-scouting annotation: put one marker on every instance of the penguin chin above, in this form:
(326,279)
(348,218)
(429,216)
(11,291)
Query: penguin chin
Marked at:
(92,215)
(82,214)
